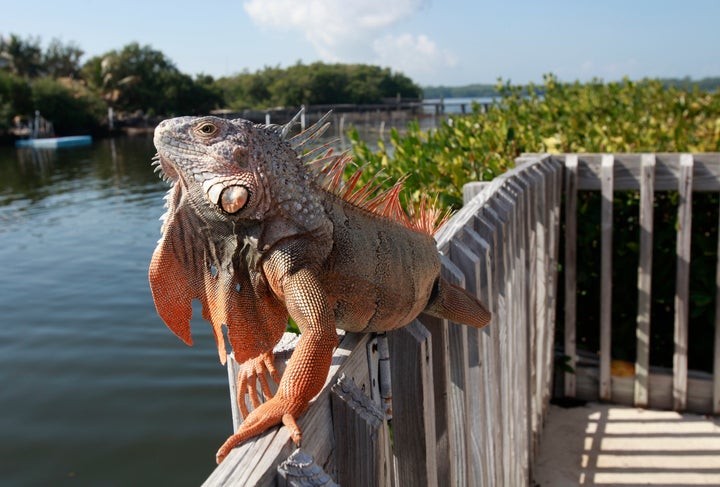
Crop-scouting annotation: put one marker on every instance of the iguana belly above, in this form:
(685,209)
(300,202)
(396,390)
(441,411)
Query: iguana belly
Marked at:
(380,274)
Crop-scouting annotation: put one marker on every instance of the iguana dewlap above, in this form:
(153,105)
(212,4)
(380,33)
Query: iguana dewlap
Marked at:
(258,231)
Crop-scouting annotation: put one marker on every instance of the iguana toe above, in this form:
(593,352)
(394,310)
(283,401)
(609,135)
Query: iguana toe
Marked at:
(267,415)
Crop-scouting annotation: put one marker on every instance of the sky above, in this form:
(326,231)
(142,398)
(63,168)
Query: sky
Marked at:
(434,42)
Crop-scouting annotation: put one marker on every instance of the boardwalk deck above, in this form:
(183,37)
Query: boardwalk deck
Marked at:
(604,444)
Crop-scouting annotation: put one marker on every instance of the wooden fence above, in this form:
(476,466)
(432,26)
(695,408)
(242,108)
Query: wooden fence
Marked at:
(678,388)
(467,405)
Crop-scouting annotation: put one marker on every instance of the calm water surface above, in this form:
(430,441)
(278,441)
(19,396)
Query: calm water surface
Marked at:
(95,389)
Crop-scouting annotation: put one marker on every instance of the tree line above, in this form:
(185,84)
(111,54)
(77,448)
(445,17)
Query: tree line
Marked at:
(477,90)
(143,81)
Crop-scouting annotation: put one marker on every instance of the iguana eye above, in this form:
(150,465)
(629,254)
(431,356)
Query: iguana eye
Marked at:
(207,128)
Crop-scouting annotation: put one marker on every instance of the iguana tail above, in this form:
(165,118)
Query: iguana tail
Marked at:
(456,304)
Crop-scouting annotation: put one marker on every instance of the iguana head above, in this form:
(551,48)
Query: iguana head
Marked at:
(219,162)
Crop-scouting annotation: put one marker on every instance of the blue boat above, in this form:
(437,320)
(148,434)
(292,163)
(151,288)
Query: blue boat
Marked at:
(55,142)
(41,136)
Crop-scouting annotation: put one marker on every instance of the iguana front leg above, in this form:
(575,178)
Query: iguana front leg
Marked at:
(309,364)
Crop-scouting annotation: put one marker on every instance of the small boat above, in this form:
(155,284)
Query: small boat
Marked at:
(41,136)
(55,142)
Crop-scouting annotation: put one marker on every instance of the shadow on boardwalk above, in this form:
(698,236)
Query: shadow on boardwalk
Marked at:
(602,444)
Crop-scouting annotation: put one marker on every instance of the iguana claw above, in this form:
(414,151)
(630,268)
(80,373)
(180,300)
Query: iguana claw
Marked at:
(250,371)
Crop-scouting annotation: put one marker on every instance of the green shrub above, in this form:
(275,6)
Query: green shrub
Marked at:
(594,117)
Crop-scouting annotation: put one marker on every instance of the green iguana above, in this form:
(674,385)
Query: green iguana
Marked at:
(258,231)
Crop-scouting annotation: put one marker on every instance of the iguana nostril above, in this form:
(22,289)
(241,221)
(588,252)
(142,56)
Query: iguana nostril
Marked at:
(233,199)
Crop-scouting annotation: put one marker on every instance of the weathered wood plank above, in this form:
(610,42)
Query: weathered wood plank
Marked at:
(522,217)
(413,405)
(491,222)
(570,267)
(538,329)
(606,229)
(716,360)
(516,322)
(682,297)
(457,391)
(444,427)
(504,321)
(359,425)
(532,337)
(537,336)
(554,223)
(476,267)
(490,347)
(642,362)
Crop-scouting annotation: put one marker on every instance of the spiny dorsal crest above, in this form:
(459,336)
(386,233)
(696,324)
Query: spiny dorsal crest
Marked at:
(329,169)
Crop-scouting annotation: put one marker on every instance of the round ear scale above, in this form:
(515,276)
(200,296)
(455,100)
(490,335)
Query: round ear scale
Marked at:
(233,199)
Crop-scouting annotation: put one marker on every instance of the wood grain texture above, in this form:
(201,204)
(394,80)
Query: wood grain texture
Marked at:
(475,432)
(642,361)
(716,359)
(682,290)
(570,268)
(413,405)
(360,426)
(484,225)
(457,388)
(606,231)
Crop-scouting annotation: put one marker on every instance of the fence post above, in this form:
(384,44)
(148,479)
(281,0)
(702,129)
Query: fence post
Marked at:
(571,184)
(606,228)
(682,297)
(642,363)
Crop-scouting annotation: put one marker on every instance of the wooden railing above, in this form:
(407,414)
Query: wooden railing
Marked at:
(467,405)
(648,174)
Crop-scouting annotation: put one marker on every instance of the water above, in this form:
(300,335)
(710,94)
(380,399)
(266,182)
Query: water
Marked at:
(95,389)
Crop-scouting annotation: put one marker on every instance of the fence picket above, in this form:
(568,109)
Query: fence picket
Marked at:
(485,226)
(682,292)
(606,226)
(413,405)
(571,184)
(642,362)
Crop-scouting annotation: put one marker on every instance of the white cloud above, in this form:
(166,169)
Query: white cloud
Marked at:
(417,56)
(337,29)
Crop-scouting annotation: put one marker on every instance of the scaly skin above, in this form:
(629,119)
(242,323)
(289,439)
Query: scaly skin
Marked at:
(258,233)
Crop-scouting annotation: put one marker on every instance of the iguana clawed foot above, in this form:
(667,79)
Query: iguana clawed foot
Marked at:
(250,371)
(276,410)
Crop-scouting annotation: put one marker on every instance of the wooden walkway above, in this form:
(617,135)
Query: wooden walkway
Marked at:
(604,444)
